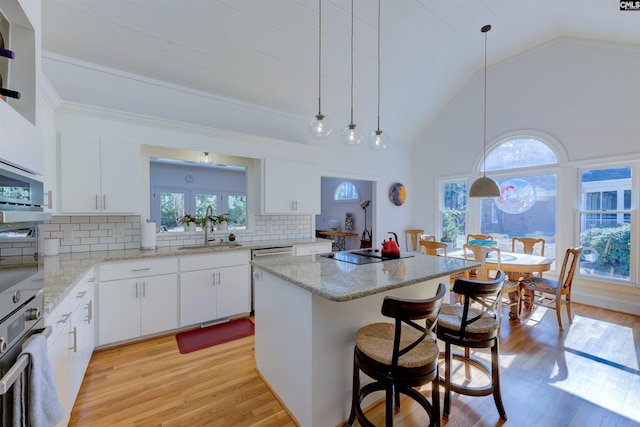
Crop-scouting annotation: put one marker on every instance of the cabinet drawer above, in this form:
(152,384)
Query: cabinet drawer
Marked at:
(57,319)
(81,289)
(133,269)
(313,249)
(207,261)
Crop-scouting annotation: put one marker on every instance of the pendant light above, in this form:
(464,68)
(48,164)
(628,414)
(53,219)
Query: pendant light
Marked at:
(319,126)
(351,136)
(378,140)
(484,186)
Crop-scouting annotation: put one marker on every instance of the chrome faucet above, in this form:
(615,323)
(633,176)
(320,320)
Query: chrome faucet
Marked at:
(207,223)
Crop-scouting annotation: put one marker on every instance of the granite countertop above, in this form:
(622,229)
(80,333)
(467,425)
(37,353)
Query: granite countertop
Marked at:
(342,281)
(63,271)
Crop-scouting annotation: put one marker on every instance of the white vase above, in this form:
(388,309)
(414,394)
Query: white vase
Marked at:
(191,227)
(222,225)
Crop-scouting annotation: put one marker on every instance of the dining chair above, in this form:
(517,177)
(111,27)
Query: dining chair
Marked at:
(528,245)
(510,293)
(399,356)
(430,247)
(479,237)
(411,237)
(472,326)
(554,293)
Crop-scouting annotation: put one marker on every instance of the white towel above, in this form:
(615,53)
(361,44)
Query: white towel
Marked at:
(44,408)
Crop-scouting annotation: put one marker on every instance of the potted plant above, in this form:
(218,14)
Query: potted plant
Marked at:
(222,221)
(190,222)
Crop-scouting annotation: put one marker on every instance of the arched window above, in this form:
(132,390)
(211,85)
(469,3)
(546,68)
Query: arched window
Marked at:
(526,171)
(518,153)
(346,191)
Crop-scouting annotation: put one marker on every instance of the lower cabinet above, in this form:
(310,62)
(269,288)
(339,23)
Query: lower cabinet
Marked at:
(214,286)
(139,305)
(72,340)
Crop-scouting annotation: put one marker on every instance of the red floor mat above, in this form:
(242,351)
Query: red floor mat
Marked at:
(197,339)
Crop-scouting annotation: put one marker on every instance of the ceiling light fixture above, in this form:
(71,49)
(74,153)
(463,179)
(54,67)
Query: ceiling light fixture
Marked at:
(378,140)
(319,126)
(484,186)
(351,136)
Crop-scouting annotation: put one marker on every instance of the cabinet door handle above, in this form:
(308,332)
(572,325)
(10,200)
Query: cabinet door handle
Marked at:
(75,340)
(89,311)
(65,317)
(219,281)
(136,289)
(97,201)
(81,294)
(104,202)
(140,269)
(49,203)
(296,205)
(144,289)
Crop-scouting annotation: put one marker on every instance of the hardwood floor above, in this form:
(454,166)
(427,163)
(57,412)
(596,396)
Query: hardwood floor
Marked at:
(588,375)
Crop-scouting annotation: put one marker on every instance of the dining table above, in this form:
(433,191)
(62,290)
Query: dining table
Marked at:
(515,265)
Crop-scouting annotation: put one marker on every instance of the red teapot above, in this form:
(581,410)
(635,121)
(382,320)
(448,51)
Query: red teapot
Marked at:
(390,248)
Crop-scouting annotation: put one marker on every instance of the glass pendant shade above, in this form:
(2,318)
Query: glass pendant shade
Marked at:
(205,158)
(484,187)
(320,127)
(378,140)
(351,135)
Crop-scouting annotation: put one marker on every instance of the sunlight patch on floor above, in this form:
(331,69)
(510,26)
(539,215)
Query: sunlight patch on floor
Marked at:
(583,352)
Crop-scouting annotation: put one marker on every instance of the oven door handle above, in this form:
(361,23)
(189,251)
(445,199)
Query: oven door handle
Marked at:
(21,364)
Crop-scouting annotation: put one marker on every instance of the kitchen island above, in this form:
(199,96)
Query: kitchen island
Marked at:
(308,310)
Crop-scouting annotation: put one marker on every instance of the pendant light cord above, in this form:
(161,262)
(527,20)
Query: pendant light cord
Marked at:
(319,55)
(352,61)
(485,30)
(379,1)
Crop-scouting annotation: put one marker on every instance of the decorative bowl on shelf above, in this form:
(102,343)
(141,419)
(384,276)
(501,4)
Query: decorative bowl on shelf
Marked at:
(334,224)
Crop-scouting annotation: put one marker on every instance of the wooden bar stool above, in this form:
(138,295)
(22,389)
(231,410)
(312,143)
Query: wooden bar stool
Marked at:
(469,327)
(399,356)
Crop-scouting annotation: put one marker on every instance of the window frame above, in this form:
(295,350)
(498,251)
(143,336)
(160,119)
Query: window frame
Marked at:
(634,258)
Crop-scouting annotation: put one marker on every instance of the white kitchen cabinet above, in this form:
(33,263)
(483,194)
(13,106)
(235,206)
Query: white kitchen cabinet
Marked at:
(318,248)
(82,333)
(214,286)
(291,187)
(72,340)
(136,299)
(98,174)
(60,356)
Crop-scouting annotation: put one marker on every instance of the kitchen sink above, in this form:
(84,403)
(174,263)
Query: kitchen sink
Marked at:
(210,246)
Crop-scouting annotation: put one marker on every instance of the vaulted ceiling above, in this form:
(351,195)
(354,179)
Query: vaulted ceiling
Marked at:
(264,53)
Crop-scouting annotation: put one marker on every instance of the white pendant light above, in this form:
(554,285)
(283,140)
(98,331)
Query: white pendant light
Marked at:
(319,126)
(378,140)
(485,186)
(351,136)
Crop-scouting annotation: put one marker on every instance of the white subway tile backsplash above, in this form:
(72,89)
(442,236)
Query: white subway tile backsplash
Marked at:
(90,233)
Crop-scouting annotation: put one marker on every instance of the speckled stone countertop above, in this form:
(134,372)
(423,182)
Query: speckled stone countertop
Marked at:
(62,272)
(342,281)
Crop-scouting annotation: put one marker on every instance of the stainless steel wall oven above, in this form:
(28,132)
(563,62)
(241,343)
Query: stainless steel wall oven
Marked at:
(21,314)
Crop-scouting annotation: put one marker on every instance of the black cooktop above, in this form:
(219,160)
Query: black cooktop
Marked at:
(363,256)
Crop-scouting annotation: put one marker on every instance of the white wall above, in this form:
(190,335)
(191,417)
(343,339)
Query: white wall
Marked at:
(581,93)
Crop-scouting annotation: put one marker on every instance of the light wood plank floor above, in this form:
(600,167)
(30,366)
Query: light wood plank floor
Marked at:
(589,375)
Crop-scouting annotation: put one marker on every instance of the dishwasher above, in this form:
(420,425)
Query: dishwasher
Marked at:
(280,251)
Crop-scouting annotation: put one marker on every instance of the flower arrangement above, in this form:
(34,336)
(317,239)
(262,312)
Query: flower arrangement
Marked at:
(187,219)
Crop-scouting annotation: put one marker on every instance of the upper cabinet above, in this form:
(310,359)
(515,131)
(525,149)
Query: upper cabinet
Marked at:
(21,143)
(290,187)
(98,173)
